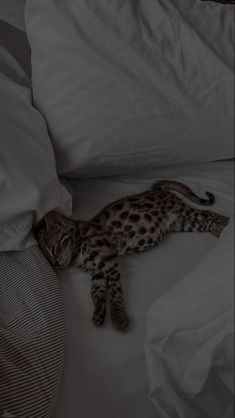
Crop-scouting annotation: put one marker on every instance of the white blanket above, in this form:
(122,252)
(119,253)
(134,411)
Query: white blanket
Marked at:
(189,343)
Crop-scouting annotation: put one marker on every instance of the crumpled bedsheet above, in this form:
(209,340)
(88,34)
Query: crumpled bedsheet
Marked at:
(190,340)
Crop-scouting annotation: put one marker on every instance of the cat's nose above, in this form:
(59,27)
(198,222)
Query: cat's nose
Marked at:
(57,263)
(57,266)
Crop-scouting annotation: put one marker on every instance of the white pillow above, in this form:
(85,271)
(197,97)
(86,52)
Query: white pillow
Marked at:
(29,186)
(126,85)
(12,11)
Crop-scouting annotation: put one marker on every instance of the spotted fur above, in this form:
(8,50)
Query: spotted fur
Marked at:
(132,224)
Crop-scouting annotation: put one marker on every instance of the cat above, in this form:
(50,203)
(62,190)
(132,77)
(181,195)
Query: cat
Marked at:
(132,224)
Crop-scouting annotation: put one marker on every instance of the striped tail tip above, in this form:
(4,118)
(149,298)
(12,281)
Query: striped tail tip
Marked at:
(211,199)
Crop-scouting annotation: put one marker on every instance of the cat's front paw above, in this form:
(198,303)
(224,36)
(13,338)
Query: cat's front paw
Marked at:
(120,319)
(99,317)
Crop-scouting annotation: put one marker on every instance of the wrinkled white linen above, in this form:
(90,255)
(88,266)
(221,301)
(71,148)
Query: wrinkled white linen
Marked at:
(190,339)
(126,85)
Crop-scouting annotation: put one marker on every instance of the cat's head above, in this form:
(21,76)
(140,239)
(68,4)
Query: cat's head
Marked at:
(56,236)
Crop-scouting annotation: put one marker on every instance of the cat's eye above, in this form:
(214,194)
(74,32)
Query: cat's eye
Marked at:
(57,248)
(66,241)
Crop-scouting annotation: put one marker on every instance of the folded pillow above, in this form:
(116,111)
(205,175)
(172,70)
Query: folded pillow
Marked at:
(126,85)
(29,186)
(15,54)
(12,11)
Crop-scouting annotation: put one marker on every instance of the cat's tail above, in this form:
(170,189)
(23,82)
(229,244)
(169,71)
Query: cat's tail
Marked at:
(176,186)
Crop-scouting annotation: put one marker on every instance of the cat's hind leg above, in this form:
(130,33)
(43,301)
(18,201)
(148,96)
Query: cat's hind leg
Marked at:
(197,220)
(218,223)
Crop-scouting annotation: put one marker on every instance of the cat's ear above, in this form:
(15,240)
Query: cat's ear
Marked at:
(53,218)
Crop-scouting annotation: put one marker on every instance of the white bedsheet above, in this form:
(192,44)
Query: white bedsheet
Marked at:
(105,371)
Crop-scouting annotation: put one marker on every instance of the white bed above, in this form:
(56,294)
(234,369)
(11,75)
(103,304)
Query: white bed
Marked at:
(105,371)
(86,161)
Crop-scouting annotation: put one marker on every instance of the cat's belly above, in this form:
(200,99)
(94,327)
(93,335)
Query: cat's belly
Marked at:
(137,244)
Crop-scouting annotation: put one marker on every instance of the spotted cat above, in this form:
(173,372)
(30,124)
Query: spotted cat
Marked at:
(132,224)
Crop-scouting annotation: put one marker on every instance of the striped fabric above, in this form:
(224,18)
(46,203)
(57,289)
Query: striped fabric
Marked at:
(32,334)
